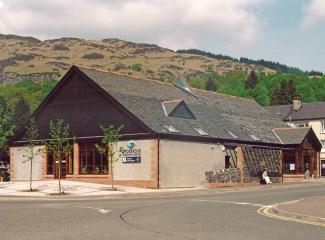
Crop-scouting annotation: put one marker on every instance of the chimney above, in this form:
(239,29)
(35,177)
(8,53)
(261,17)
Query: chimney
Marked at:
(296,103)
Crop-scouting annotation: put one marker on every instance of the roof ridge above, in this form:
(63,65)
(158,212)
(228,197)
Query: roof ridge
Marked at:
(160,82)
(287,128)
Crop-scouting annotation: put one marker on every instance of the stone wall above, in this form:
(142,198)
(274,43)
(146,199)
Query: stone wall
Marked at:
(228,175)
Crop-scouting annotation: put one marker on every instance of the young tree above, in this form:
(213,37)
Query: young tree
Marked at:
(252,80)
(59,144)
(108,146)
(210,84)
(31,137)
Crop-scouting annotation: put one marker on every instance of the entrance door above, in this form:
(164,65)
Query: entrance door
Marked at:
(63,169)
(322,167)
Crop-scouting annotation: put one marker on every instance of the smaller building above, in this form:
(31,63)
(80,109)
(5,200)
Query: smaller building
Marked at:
(302,160)
(300,114)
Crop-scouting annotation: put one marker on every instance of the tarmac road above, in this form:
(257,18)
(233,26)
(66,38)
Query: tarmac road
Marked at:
(223,215)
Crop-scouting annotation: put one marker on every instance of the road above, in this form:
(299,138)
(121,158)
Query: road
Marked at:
(215,215)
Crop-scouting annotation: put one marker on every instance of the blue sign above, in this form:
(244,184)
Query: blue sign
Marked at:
(132,156)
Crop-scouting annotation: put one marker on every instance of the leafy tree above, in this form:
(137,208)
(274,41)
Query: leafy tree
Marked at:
(284,93)
(59,144)
(6,128)
(210,84)
(252,80)
(32,136)
(108,146)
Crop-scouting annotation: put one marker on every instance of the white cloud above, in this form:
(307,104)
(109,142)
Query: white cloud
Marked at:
(172,23)
(314,12)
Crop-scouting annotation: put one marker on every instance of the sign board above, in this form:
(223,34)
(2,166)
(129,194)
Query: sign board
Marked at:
(132,156)
(292,167)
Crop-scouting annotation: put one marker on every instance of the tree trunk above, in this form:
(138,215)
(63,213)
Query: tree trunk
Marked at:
(60,177)
(31,169)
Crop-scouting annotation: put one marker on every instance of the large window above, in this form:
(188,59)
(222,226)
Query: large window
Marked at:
(68,160)
(323,145)
(91,162)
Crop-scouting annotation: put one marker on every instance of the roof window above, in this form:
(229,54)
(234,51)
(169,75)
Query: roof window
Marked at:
(252,136)
(232,134)
(171,128)
(201,132)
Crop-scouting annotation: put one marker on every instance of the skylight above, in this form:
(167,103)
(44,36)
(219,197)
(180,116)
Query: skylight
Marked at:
(252,136)
(171,128)
(232,134)
(201,132)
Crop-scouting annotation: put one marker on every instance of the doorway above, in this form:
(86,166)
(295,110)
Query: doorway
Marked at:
(63,169)
(322,167)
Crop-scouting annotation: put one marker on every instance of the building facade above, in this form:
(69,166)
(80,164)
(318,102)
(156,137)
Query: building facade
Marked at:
(172,134)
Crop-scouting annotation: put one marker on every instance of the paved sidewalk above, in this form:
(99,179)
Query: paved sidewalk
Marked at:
(71,189)
(311,206)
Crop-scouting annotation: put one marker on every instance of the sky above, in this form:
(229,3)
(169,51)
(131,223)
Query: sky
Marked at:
(291,32)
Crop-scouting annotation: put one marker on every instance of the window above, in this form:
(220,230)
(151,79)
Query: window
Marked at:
(232,134)
(302,124)
(227,161)
(91,161)
(252,136)
(171,128)
(201,132)
(68,160)
(322,126)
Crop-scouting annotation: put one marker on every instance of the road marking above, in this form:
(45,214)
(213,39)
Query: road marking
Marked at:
(267,211)
(101,210)
(229,202)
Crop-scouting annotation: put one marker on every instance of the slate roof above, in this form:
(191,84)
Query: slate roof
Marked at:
(306,112)
(215,113)
(292,135)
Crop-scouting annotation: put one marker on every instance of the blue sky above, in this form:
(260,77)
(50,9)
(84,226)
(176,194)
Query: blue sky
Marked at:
(288,31)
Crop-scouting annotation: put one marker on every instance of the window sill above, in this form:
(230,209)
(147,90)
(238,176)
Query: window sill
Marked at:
(92,175)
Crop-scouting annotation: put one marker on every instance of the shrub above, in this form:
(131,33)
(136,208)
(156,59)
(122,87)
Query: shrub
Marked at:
(93,55)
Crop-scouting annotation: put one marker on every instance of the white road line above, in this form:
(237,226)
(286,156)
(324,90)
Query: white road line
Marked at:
(100,210)
(229,202)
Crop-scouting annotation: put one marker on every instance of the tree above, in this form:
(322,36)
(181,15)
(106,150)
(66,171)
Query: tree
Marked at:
(6,128)
(252,80)
(32,136)
(284,93)
(21,114)
(108,146)
(210,84)
(59,144)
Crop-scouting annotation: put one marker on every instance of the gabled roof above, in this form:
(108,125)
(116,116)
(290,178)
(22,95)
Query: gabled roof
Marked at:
(308,111)
(296,136)
(215,113)
(177,108)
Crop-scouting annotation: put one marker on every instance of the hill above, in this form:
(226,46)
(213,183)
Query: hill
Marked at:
(26,58)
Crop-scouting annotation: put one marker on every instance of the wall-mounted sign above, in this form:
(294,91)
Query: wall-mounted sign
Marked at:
(132,156)
(292,167)
(131,144)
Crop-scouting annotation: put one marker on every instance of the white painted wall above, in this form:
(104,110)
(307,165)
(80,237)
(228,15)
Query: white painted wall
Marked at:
(19,158)
(183,164)
(134,171)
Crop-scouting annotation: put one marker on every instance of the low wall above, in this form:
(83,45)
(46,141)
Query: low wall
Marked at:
(225,175)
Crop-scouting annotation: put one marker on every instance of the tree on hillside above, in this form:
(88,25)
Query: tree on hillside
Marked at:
(252,80)
(210,84)
(284,93)
(108,146)
(21,114)
(59,144)
(32,136)
(6,131)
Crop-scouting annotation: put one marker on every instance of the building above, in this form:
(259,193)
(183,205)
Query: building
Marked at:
(173,134)
(305,115)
